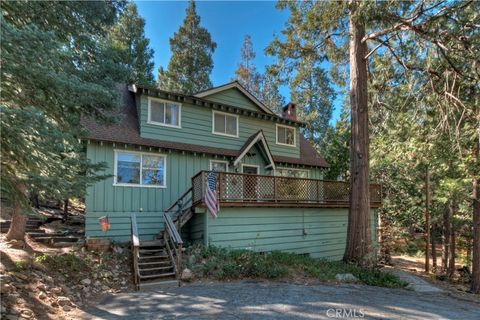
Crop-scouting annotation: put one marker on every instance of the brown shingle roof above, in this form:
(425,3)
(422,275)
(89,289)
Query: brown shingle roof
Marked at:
(127,131)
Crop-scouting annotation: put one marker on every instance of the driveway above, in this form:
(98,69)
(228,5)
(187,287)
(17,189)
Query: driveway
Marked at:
(262,300)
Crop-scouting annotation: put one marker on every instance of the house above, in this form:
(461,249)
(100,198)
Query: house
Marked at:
(269,177)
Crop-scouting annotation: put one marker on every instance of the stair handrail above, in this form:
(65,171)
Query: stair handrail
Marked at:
(135,248)
(173,243)
(180,200)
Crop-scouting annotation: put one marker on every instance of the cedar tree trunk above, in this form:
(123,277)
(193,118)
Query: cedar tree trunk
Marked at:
(434,248)
(17,227)
(446,238)
(475,287)
(427,220)
(359,237)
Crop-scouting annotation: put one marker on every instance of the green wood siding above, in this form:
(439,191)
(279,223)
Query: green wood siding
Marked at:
(196,128)
(267,229)
(118,202)
(233,97)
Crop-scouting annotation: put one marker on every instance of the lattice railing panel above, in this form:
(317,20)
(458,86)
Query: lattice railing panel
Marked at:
(238,187)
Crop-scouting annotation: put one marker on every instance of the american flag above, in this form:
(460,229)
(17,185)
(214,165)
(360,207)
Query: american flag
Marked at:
(211,194)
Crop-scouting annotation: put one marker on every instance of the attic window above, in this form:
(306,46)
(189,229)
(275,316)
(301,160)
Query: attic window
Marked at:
(286,135)
(225,124)
(164,113)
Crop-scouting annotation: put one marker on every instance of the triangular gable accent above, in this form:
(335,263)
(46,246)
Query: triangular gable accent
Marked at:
(258,137)
(238,86)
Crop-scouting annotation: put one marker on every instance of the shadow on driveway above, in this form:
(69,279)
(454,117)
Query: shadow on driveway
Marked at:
(263,300)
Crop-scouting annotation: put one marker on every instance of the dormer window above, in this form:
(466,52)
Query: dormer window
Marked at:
(286,135)
(164,113)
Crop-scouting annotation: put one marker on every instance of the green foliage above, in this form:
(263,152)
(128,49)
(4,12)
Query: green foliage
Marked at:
(68,263)
(128,37)
(191,63)
(55,70)
(223,264)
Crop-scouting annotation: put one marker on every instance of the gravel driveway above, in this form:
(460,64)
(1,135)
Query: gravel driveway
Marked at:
(262,300)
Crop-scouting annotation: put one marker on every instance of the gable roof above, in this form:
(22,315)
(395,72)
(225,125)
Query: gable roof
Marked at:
(255,138)
(238,86)
(127,131)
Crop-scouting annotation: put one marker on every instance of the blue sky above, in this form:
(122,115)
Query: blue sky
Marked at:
(227,22)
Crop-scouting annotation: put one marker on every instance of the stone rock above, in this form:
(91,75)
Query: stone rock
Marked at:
(5,288)
(105,288)
(346,277)
(11,317)
(97,283)
(56,290)
(18,244)
(42,295)
(48,279)
(54,304)
(86,282)
(63,301)
(42,287)
(187,275)
(20,275)
(118,249)
(67,308)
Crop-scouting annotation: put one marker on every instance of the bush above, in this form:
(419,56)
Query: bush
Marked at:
(224,264)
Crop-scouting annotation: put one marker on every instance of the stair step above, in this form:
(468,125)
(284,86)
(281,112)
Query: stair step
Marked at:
(155,269)
(151,250)
(155,257)
(153,263)
(152,243)
(161,275)
(151,285)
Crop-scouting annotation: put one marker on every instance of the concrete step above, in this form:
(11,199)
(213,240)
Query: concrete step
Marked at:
(158,285)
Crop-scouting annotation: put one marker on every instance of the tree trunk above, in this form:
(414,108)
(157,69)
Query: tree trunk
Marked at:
(451,262)
(446,238)
(434,248)
(427,220)
(475,287)
(65,209)
(359,237)
(17,227)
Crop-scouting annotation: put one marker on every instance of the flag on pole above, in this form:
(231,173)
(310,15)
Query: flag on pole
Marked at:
(211,199)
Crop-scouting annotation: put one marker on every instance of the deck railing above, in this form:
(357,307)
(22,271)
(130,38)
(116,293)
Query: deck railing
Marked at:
(238,189)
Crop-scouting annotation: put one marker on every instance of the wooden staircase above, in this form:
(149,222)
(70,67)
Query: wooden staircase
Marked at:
(157,263)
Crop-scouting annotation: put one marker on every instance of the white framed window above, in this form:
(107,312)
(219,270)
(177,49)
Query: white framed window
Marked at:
(250,168)
(286,135)
(219,165)
(224,124)
(291,172)
(164,113)
(139,169)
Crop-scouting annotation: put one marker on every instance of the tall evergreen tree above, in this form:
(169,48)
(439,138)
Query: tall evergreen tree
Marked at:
(128,37)
(191,62)
(404,31)
(246,72)
(54,70)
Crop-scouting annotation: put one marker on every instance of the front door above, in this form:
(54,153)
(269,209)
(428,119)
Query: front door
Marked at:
(250,183)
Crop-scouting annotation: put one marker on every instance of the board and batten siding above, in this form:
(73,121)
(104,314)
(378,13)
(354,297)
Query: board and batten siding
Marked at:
(233,97)
(319,232)
(196,128)
(118,202)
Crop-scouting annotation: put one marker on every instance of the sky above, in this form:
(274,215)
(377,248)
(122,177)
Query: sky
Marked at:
(228,22)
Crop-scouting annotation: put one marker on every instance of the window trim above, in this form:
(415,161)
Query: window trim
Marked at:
(295,169)
(251,166)
(139,185)
(294,145)
(221,161)
(226,114)
(149,113)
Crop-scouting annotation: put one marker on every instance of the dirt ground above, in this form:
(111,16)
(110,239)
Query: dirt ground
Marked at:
(415,265)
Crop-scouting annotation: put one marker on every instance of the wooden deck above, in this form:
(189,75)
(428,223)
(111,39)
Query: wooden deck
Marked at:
(246,190)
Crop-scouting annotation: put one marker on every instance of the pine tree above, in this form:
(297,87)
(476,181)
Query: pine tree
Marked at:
(128,37)
(246,72)
(403,31)
(191,62)
(55,70)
